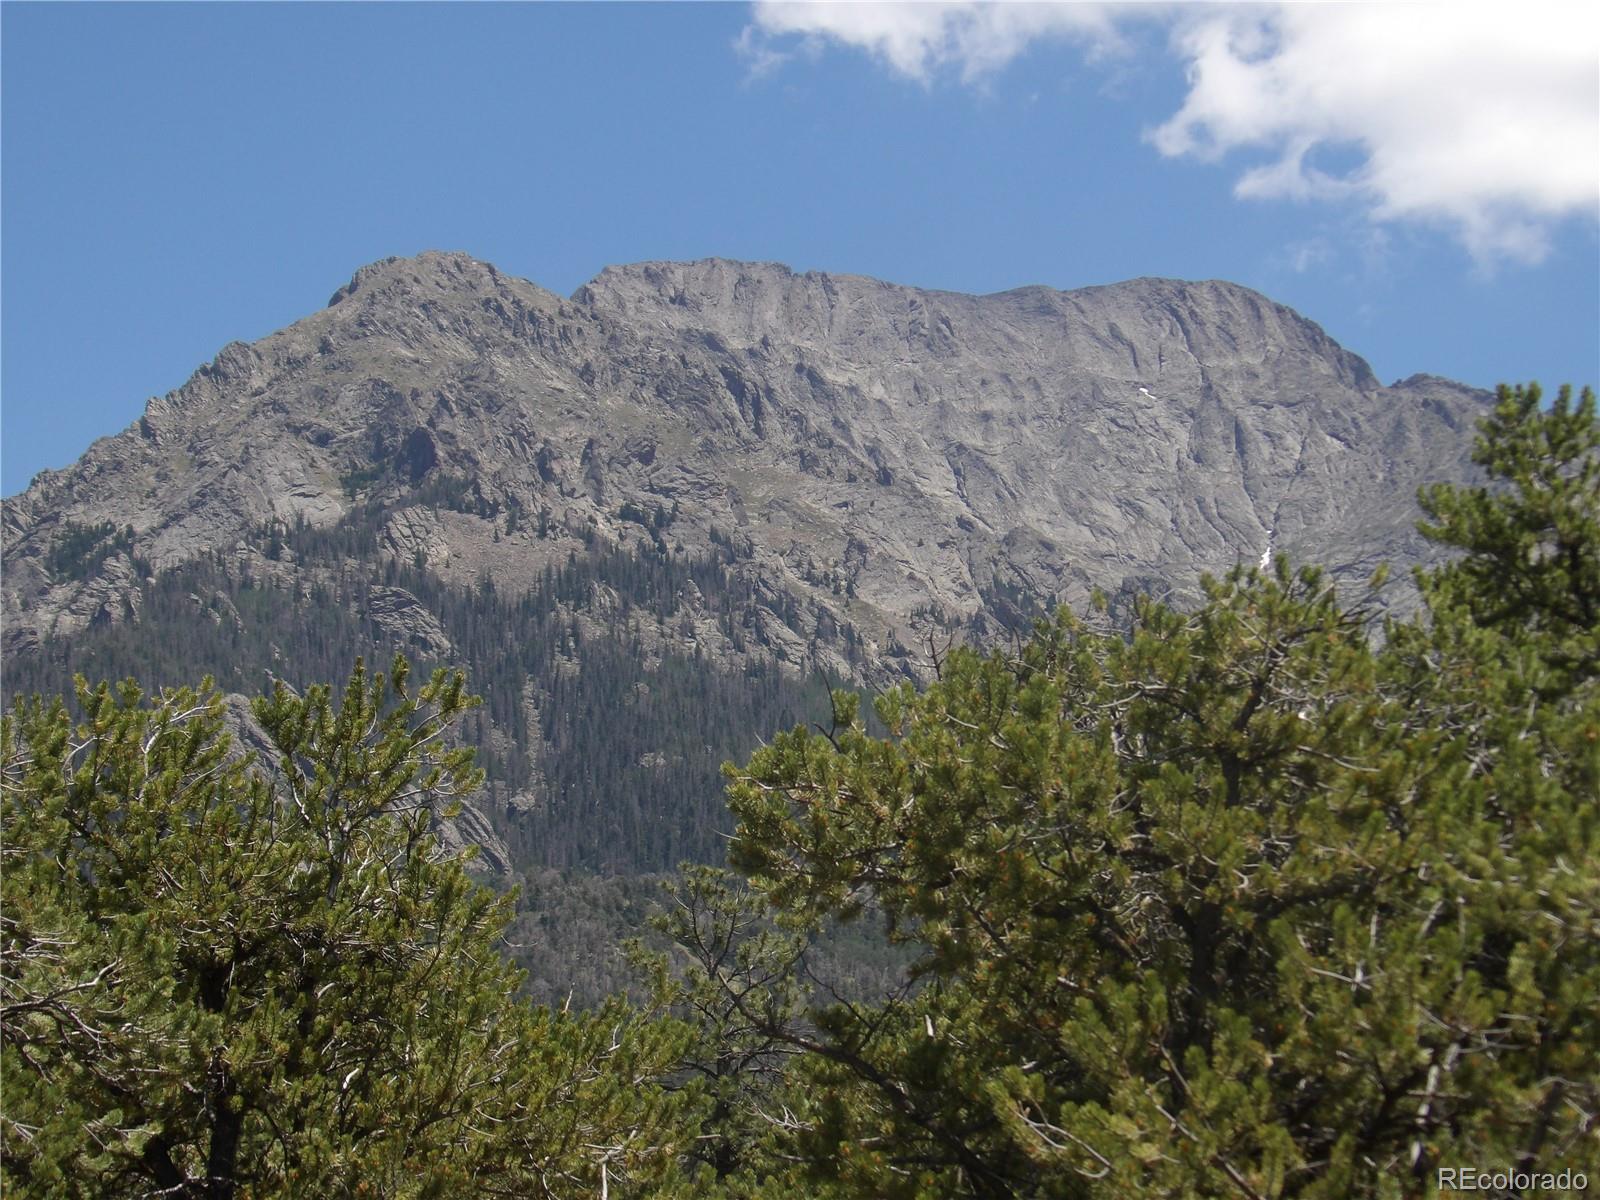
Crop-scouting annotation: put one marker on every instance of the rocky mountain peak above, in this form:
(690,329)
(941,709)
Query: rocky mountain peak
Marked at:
(432,271)
(700,472)
(873,450)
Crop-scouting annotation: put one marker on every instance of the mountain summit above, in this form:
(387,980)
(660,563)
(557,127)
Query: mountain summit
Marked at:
(649,518)
(911,447)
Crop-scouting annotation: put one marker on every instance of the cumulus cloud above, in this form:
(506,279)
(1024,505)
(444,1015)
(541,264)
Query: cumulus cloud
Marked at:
(1484,120)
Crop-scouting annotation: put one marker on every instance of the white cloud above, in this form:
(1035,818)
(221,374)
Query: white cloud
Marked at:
(1483,119)
(759,53)
(1486,120)
(916,40)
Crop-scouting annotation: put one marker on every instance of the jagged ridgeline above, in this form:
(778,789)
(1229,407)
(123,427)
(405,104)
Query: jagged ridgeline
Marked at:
(651,519)
(602,748)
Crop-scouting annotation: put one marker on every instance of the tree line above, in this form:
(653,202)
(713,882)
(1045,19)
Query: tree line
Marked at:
(617,754)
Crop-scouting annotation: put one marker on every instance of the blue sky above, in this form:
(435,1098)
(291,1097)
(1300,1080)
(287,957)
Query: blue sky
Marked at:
(177,177)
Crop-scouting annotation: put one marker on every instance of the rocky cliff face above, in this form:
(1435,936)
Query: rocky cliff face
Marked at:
(1152,429)
(876,451)
(635,513)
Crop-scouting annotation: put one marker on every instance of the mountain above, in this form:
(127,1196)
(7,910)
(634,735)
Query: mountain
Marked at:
(652,516)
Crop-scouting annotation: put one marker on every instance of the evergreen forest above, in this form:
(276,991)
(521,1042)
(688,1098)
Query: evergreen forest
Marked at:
(1270,896)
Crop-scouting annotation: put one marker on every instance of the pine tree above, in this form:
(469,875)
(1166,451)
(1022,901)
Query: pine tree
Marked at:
(1532,540)
(1250,902)
(232,978)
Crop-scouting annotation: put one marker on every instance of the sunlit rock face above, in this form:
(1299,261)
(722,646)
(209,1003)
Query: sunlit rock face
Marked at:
(880,455)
